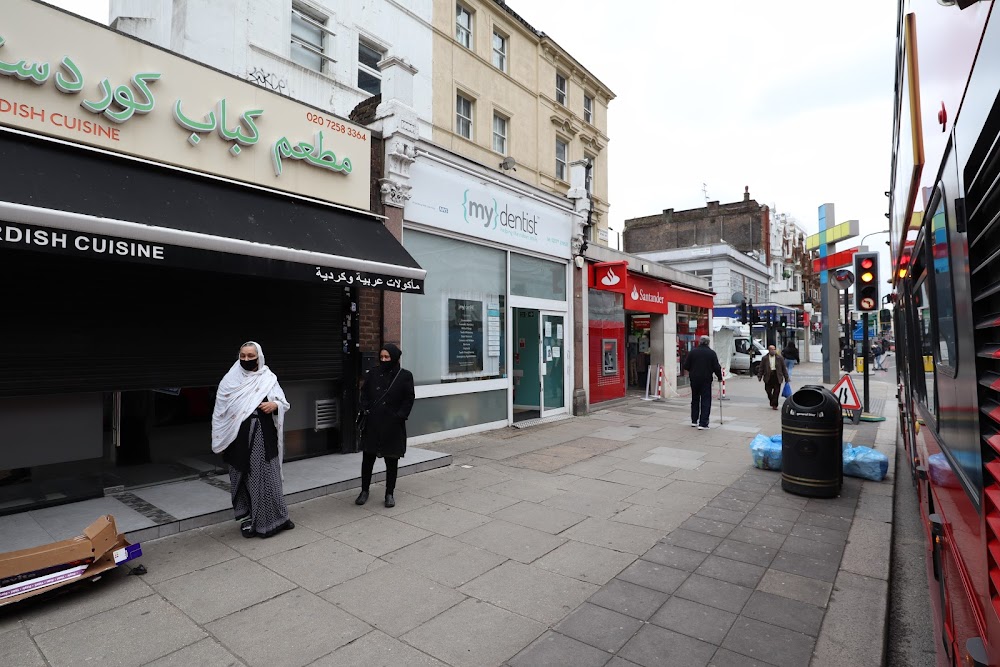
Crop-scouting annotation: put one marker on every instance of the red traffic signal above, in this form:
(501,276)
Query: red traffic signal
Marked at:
(866,292)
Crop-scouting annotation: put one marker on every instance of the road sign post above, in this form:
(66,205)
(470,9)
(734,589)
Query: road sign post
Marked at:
(864,351)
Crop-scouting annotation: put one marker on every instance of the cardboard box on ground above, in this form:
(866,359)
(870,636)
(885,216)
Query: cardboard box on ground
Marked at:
(30,572)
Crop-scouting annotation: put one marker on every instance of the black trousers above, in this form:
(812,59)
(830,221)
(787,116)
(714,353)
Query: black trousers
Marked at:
(368,464)
(701,402)
(773,389)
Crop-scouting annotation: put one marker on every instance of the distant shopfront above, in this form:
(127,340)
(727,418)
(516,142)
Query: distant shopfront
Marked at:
(146,253)
(634,320)
(490,342)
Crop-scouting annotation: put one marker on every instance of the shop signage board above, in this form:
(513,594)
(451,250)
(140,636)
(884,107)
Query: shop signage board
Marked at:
(641,294)
(448,199)
(68,78)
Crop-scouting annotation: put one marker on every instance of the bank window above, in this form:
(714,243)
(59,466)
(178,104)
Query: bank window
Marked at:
(369,76)
(463,26)
(500,50)
(538,278)
(561,94)
(308,39)
(456,330)
(500,133)
(944,301)
(463,116)
(562,151)
(588,109)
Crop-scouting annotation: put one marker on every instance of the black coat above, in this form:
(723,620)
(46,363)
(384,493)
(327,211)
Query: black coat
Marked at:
(791,353)
(701,364)
(385,431)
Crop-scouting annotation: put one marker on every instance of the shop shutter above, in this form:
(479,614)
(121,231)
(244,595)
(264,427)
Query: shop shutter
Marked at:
(78,325)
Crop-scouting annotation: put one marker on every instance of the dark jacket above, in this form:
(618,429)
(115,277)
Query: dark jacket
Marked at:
(385,431)
(701,364)
(780,372)
(791,353)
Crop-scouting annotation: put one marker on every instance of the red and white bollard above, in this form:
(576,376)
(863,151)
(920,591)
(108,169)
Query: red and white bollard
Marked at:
(722,391)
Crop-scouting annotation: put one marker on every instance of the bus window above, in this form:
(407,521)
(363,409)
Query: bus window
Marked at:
(944,304)
(925,332)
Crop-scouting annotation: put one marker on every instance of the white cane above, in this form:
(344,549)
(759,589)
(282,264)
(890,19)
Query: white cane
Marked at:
(721,385)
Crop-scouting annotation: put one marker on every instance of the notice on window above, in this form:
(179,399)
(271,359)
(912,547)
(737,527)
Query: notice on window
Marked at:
(493,329)
(465,336)
(559,332)
(548,329)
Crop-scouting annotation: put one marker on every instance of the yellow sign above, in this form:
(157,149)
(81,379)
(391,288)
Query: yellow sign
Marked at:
(841,232)
(65,77)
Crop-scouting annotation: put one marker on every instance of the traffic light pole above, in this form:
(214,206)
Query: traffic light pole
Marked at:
(864,351)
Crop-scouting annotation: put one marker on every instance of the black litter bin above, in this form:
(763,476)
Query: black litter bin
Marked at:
(812,436)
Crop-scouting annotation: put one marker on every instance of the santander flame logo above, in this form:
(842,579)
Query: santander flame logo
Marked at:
(611,278)
(635,294)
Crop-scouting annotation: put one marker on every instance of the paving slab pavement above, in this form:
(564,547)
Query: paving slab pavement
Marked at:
(621,538)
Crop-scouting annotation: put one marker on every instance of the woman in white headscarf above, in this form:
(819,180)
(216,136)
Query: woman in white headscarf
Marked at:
(247,430)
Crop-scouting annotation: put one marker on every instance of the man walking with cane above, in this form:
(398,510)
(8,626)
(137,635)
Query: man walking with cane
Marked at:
(701,364)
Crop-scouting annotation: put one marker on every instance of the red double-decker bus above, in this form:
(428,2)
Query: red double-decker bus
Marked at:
(944,209)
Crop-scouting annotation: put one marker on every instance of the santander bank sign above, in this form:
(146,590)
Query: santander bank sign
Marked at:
(641,293)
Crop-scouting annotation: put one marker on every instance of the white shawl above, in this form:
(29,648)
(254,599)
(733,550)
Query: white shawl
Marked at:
(240,392)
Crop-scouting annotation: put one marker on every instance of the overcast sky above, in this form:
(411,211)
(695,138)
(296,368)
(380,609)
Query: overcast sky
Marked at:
(789,97)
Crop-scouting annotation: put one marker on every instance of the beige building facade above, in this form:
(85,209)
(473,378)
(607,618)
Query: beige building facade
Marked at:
(503,89)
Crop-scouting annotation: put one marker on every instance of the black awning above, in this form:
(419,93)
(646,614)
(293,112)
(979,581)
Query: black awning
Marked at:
(55,186)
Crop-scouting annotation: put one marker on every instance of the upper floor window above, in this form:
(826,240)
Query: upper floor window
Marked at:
(500,134)
(588,109)
(561,95)
(499,51)
(463,116)
(562,151)
(369,76)
(463,26)
(308,39)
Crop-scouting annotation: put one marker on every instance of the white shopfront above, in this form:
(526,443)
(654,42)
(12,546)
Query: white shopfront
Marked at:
(490,341)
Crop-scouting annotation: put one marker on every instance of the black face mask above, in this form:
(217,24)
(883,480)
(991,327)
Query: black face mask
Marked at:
(248,364)
(385,365)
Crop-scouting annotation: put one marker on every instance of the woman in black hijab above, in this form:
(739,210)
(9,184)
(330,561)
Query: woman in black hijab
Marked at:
(386,399)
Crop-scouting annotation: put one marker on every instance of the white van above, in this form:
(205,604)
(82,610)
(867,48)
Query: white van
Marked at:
(746,355)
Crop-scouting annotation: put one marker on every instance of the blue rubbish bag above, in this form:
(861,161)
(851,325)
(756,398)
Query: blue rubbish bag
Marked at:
(866,463)
(766,453)
(787,391)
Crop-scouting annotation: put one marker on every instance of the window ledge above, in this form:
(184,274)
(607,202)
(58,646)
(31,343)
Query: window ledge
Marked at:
(285,60)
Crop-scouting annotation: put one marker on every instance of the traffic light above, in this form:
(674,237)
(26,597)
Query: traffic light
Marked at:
(784,322)
(800,319)
(754,315)
(743,312)
(866,298)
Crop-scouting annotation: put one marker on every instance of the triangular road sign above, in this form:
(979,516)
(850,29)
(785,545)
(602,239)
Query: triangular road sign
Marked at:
(847,394)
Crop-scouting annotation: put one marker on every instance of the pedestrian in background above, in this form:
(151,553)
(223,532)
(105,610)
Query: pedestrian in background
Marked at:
(791,356)
(773,372)
(701,364)
(386,401)
(247,429)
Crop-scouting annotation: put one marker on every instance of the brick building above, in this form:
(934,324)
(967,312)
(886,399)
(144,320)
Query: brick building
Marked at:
(745,225)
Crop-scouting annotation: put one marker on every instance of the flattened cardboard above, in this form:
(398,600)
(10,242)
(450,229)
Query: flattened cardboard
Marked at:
(99,541)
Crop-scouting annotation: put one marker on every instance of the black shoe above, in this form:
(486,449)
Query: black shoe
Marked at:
(246,529)
(389,500)
(362,498)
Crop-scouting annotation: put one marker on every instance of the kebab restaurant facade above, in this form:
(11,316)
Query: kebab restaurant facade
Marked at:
(154,215)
